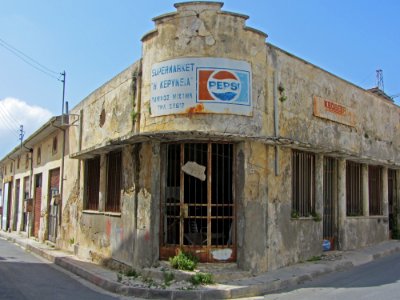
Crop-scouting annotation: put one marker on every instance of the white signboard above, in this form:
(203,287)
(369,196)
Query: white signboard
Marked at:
(201,85)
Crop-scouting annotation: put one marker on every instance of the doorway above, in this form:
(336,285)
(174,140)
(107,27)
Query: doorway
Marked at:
(37,204)
(330,201)
(198,207)
(53,205)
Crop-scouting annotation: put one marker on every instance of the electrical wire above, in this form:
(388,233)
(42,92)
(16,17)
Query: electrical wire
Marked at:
(13,131)
(30,61)
(7,113)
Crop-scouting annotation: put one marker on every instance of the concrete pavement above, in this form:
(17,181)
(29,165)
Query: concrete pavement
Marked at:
(236,284)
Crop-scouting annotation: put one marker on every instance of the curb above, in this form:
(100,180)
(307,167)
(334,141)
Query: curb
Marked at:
(246,287)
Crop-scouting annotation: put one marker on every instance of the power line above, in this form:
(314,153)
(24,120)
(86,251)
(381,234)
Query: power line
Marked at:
(5,111)
(4,121)
(29,60)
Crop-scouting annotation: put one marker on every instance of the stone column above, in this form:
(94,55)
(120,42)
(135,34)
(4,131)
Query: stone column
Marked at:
(385,196)
(341,187)
(319,187)
(365,190)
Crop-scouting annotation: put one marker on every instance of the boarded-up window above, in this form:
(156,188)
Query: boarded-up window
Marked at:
(375,190)
(92,186)
(113,181)
(354,189)
(303,183)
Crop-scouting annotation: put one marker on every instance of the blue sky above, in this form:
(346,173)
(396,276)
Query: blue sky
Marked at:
(93,40)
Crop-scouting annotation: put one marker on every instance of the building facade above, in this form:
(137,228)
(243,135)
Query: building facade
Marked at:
(226,146)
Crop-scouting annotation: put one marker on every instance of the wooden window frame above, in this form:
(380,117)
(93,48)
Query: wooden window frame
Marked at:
(92,184)
(114,181)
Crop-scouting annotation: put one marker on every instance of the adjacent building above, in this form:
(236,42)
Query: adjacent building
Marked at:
(217,143)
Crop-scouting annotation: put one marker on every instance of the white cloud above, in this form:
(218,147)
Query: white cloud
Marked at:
(15,112)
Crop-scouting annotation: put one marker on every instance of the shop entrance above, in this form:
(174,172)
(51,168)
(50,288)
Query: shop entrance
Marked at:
(198,207)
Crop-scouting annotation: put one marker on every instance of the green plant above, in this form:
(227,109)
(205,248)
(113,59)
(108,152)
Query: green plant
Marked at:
(168,278)
(71,241)
(132,273)
(314,258)
(149,281)
(201,278)
(295,214)
(316,216)
(281,91)
(184,261)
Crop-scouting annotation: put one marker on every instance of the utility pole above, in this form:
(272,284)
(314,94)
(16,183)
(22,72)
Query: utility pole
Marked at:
(63,97)
(21,134)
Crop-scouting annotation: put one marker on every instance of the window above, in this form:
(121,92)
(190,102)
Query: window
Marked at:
(26,161)
(375,190)
(18,161)
(55,145)
(11,168)
(92,183)
(354,189)
(197,197)
(39,156)
(114,163)
(303,183)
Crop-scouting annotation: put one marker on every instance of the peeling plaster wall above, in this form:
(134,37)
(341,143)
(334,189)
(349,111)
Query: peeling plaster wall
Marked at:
(364,231)
(376,133)
(289,240)
(203,30)
(252,205)
(106,112)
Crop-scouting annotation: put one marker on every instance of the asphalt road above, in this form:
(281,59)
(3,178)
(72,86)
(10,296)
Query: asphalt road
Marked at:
(25,276)
(379,279)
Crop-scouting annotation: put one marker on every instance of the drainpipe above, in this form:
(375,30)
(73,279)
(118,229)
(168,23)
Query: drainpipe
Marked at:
(276,121)
(139,96)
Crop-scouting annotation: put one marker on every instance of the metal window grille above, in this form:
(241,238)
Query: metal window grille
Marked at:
(199,212)
(330,197)
(303,183)
(375,190)
(392,198)
(354,189)
(114,163)
(92,183)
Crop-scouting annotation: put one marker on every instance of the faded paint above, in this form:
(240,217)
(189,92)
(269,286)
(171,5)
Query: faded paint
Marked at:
(118,116)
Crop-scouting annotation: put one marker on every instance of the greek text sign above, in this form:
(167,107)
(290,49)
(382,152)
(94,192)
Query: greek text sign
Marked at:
(327,109)
(201,85)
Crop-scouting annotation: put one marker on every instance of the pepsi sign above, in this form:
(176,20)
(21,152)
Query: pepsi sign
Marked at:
(223,85)
(201,85)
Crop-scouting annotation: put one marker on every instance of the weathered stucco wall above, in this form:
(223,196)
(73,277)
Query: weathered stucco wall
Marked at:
(375,133)
(289,240)
(203,30)
(364,231)
(106,113)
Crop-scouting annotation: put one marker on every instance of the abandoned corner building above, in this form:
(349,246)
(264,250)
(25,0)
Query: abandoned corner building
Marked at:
(214,142)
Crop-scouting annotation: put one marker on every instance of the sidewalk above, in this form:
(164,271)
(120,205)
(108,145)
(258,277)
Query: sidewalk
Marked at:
(233,288)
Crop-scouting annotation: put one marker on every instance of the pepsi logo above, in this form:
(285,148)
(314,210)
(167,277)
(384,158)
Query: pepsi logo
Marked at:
(224,85)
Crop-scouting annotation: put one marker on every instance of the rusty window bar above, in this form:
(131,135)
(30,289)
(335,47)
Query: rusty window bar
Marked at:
(354,189)
(303,183)
(330,172)
(375,190)
(92,186)
(114,165)
(203,214)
